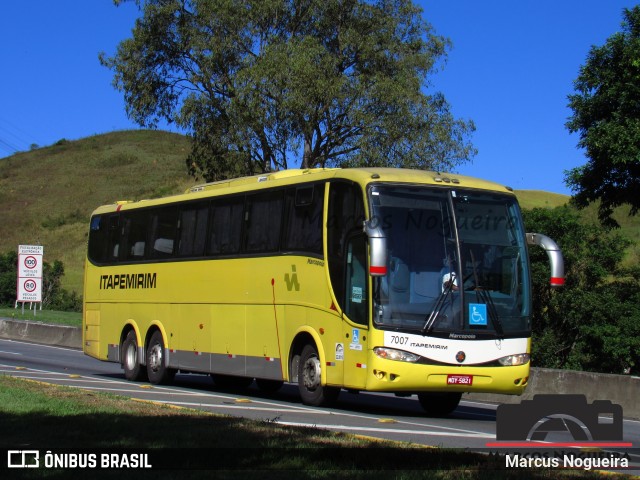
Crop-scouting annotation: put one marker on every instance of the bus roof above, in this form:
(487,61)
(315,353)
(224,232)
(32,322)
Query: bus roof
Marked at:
(363,176)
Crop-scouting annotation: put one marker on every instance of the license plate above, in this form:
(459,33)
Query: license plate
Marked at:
(459,379)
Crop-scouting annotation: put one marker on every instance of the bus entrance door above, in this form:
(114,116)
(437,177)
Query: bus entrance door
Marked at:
(355,356)
(356,312)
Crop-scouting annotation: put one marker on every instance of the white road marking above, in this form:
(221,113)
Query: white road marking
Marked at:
(125,387)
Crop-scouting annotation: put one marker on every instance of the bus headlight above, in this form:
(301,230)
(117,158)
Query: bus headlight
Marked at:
(393,354)
(514,360)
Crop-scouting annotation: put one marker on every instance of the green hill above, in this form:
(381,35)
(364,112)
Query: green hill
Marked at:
(539,199)
(48,194)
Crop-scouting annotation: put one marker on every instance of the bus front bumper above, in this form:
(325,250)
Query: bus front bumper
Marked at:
(404,377)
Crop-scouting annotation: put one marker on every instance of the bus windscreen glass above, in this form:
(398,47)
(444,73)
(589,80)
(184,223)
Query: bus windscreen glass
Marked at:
(457,263)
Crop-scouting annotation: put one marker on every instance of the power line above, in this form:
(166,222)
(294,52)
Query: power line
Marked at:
(8,147)
(13,137)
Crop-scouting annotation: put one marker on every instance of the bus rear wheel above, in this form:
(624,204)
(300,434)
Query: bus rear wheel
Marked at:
(439,404)
(130,362)
(309,380)
(157,370)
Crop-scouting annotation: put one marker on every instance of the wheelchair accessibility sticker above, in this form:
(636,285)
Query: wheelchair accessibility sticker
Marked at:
(355,340)
(477,314)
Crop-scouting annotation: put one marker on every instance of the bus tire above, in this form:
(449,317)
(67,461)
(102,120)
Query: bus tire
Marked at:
(439,404)
(309,380)
(133,371)
(269,386)
(157,370)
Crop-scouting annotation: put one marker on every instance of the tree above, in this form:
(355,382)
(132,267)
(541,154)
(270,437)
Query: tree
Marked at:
(593,322)
(260,82)
(8,277)
(606,114)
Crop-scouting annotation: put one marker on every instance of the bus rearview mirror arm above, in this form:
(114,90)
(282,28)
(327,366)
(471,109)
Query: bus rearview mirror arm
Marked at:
(377,248)
(555,256)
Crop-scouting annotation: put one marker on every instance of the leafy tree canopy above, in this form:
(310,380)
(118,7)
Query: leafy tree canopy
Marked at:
(606,114)
(259,83)
(593,322)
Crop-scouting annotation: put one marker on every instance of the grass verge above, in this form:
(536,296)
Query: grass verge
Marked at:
(73,319)
(195,444)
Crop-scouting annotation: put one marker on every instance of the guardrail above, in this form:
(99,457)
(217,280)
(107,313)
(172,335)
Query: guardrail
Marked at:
(621,389)
(37,332)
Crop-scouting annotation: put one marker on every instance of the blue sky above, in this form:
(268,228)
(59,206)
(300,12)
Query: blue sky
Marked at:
(510,70)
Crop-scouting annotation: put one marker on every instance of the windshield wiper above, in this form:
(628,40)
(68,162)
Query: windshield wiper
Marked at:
(442,298)
(485,296)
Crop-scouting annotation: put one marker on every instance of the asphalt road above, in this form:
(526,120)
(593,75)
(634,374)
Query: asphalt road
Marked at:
(471,426)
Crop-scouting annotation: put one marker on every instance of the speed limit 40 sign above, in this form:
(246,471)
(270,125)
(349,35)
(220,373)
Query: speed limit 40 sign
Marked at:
(30,273)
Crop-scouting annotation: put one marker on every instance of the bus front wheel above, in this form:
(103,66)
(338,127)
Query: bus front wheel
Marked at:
(309,380)
(130,362)
(157,369)
(439,404)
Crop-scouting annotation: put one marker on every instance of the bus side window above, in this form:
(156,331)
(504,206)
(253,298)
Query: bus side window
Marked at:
(356,304)
(114,235)
(226,227)
(135,232)
(164,225)
(193,230)
(303,231)
(264,222)
(346,214)
(97,250)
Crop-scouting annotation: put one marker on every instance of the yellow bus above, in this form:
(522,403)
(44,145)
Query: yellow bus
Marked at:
(384,280)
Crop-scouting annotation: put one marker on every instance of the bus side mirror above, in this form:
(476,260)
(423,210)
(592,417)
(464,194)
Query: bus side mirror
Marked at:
(554,254)
(377,249)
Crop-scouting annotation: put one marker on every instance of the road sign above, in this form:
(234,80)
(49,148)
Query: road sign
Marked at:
(30,273)
(30,290)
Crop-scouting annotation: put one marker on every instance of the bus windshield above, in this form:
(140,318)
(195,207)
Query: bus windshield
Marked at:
(457,263)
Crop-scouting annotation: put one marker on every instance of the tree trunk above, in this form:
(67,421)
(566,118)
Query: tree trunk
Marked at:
(306,157)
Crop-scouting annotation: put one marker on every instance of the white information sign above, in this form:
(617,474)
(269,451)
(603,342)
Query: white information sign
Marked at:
(30,273)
